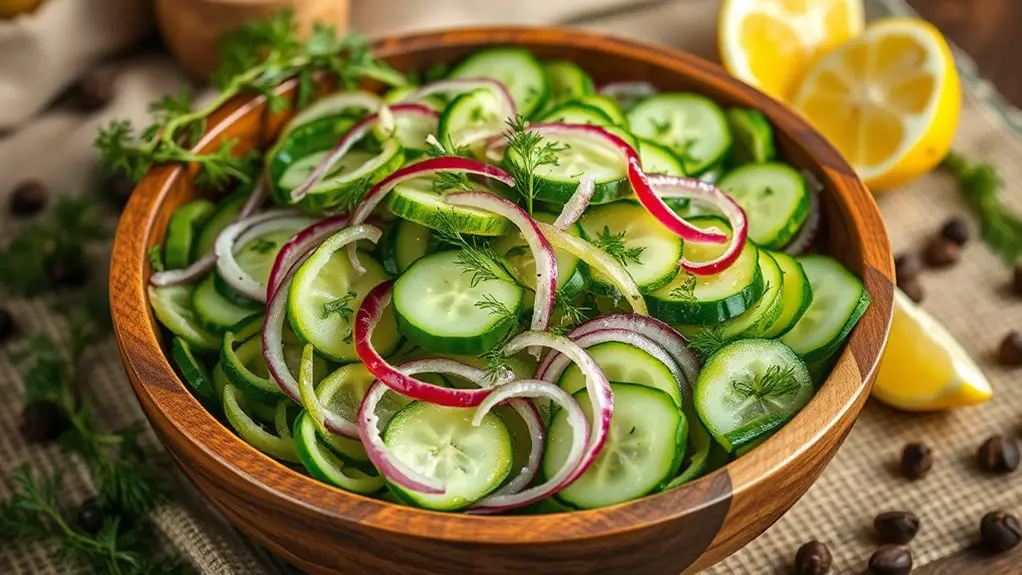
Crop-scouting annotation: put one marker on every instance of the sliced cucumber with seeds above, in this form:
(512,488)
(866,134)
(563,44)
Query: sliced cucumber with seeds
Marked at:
(471,117)
(567,82)
(623,362)
(194,373)
(692,126)
(577,155)
(225,212)
(839,300)
(657,159)
(577,113)
(252,431)
(608,106)
(709,300)
(795,297)
(324,296)
(642,452)
(173,307)
(420,201)
(753,137)
(182,231)
(213,310)
(516,68)
(749,388)
(571,277)
(438,307)
(243,363)
(341,392)
(648,251)
(775,197)
(325,466)
(441,443)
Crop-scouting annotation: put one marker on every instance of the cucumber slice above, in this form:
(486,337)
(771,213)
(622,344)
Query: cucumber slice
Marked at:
(244,366)
(516,68)
(795,297)
(398,94)
(623,362)
(712,174)
(257,256)
(194,373)
(341,392)
(173,307)
(323,465)
(571,277)
(657,159)
(753,137)
(225,212)
(182,230)
(421,201)
(775,197)
(441,443)
(323,298)
(411,242)
(709,300)
(567,82)
(577,113)
(410,131)
(648,250)
(469,115)
(576,155)
(608,106)
(749,388)
(438,308)
(692,126)
(252,431)
(230,294)
(643,450)
(213,310)
(839,300)
(348,180)
(317,136)
(348,104)
(699,446)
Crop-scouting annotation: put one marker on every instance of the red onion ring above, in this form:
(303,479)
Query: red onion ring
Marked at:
(464,85)
(803,240)
(683,187)
(505,500)
(578,202)
(240,233)
(425,167)
(366,318)
(276,308)
(299,245)
(352,137)
(542,252)
(207,262)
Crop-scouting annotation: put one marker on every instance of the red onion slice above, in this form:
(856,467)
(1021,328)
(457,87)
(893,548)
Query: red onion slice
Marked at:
(207,262)
(352,137)
(423,168)
(236,235)
(531,388)
(462,85)
(273,326)
(365,321)
(542,252)
(578,202)
(299,245)
(803,240)
(598,259)
(682,187)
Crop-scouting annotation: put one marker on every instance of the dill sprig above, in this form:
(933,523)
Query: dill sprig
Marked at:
(446,181)
(526,152)
(614,245)
(686,291)
(980,184)
(776,382)
(707,341)
(342,307)
(570,313)
(475,257)
(256,57)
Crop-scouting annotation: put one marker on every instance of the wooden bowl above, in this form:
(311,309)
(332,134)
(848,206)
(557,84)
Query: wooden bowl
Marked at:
(326,530)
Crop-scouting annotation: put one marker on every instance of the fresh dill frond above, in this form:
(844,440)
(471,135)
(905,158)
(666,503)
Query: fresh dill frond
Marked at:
(340,306)
(707,341)
(526,152)
(475,257)
(686,291)
(980,184)
(446,181)
(495,307)
(775,383)
(570,313)
(614,246)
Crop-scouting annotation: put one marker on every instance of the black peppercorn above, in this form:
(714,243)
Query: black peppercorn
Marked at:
(913,289)
(813,558)
(998,454)
(896,526)
(91,516)
(92,92)
(956,230)
(7,325)
(891,560)
(42,421)
(29,198)
(1010,352)
(916,461)
(941,252)
(1000,531)
(907,267)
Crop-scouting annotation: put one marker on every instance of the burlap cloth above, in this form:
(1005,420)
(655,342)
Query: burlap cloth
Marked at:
(971,298)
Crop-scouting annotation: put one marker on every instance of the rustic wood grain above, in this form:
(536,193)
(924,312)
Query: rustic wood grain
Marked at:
(988,30)
(326,530)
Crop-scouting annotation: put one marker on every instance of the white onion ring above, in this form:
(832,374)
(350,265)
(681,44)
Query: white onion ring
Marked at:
(578,202)
(462,85)
(243,231)
(299,245)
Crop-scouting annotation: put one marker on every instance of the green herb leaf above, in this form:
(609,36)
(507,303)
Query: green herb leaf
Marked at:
(980,184)
(614,245)
(155,255)
(686,291)
(526,152)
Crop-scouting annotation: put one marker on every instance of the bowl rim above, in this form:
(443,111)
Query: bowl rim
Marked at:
(164,396)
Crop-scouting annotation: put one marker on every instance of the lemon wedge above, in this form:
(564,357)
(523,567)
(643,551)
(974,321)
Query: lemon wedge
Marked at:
(923,367)
(770,44)
(889,100)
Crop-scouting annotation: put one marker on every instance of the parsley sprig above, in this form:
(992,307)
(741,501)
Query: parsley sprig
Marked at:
(980,184)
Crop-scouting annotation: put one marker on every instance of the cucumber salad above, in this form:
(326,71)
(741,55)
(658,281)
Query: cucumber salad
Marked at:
(508,290)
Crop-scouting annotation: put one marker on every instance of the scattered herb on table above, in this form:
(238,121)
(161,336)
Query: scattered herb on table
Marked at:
(1001,228)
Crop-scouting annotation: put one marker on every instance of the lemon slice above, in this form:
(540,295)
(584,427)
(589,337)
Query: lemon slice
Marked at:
(923,367)
(889,100)
(770,44)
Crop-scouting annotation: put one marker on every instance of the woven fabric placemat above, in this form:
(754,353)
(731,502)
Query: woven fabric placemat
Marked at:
(970,298)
